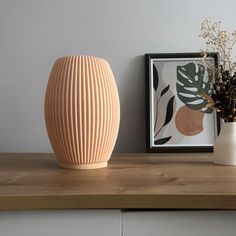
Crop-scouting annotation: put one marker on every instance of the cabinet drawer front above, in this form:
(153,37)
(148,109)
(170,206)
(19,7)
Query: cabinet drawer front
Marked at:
(60,223)
(179,223)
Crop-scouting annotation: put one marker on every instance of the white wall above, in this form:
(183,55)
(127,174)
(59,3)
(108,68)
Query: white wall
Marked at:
(34,33)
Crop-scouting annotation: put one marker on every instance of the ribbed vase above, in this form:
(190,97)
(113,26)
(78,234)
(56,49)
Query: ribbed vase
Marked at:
(82,111)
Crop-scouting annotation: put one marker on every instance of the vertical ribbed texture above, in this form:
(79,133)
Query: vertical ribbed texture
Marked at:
(82,111)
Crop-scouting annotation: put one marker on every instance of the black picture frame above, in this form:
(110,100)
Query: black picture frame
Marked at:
(150,58)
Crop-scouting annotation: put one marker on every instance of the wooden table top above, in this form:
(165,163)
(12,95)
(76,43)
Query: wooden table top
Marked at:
(131,181)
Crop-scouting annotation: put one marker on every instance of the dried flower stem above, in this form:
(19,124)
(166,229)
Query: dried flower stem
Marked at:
(224,94)
(218,40)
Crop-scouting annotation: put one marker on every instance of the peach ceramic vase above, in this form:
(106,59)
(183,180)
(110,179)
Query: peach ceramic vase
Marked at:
(82,111)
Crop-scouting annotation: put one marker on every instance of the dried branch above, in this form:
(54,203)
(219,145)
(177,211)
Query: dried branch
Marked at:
(224,93)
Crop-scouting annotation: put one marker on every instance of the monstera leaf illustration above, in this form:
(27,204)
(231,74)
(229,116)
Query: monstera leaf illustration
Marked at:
(193,89)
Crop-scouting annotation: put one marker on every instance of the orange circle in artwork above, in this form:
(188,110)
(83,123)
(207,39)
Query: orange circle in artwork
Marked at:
(189,122)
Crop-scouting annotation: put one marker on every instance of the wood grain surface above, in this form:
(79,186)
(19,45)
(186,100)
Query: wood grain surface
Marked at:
(131,181)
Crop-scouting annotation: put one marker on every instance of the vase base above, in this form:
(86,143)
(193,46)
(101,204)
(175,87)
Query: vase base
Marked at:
(83,166)
(223,162)
(222,159)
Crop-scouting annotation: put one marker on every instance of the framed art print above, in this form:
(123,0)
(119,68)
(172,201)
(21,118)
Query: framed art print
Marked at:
(179,115)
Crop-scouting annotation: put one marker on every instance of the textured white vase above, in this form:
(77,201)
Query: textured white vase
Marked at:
(225,145)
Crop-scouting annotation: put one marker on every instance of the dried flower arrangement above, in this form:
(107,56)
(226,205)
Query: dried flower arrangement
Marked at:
(224,94)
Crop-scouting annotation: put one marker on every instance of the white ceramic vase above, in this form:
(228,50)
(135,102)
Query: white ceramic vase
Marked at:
(225,145)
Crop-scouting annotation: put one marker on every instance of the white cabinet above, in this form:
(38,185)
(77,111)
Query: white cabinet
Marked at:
(117,223)
(179,223)
(61,223)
